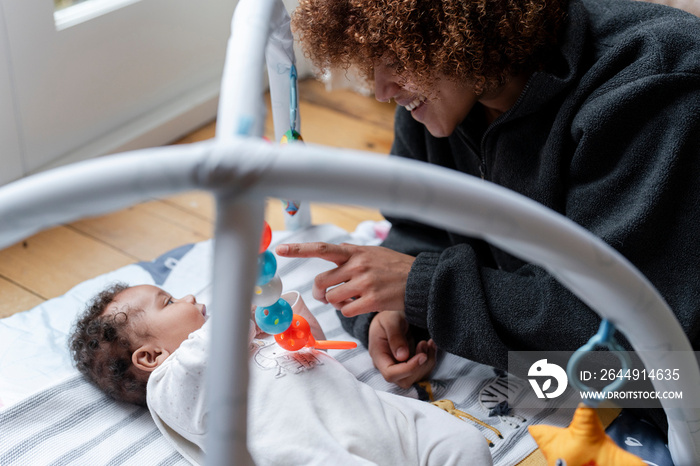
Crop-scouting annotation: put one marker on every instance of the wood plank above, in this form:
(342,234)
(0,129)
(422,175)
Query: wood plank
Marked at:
(198,203)
(15,298)
(53,261)
(321,125)
(350,103)
(205,132)
(202,204)
(191,220)
(346,103)
(356,121)
(347,217)
(145,231)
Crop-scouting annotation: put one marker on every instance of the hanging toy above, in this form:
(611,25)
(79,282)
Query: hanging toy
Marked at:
(266,238)
(298,336)
(275,318)
(268,293)
(274,315)
(267,267)
(584,442)
(290,136)
(292,207)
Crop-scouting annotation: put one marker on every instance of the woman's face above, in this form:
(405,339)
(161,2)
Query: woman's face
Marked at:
(439,109)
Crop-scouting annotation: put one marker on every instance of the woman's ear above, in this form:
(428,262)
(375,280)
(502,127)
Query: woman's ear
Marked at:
(148,357)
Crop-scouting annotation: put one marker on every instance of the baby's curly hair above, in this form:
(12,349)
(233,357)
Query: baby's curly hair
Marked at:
(483,42)
(101,348)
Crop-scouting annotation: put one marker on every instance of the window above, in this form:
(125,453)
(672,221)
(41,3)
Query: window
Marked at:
(68,13)
(61,4)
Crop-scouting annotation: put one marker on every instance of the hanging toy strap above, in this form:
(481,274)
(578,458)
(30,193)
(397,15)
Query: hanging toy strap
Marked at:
(603,339)
(293,98)
(291,207)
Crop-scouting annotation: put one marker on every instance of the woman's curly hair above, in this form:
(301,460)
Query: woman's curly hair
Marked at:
(483,42)
(101,348)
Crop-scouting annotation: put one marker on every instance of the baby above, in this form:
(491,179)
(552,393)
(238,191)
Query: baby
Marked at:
(141,345)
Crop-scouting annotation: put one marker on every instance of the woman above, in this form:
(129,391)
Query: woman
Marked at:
(590,107)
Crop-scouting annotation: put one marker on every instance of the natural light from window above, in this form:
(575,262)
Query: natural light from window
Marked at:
(68,13)
(61,4)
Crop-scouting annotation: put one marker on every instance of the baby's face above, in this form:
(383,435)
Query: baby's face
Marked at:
(166,319)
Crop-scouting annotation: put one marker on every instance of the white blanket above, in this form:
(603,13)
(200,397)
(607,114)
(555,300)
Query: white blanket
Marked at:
(52,416)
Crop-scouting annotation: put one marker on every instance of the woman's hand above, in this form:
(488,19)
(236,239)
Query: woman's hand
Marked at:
(390,349)
(366,279)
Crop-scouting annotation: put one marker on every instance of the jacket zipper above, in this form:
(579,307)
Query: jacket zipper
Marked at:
(496,123)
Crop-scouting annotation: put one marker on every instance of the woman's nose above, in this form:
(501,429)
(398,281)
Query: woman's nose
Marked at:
(385,86)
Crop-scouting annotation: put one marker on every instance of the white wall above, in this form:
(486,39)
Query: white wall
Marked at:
(10,155)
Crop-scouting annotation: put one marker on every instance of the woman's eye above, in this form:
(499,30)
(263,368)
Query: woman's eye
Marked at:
(170,301)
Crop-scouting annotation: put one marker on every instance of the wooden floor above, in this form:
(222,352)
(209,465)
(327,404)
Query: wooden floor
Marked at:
(49,263)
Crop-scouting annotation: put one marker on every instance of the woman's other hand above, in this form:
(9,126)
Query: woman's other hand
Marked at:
(391,350)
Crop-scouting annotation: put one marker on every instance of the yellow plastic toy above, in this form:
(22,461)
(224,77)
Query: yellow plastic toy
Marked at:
(583,443)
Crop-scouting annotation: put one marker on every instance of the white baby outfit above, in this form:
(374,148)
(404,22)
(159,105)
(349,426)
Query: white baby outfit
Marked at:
(305,408)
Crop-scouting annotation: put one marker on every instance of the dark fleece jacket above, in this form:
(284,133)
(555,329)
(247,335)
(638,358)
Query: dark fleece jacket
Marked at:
(607,134)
